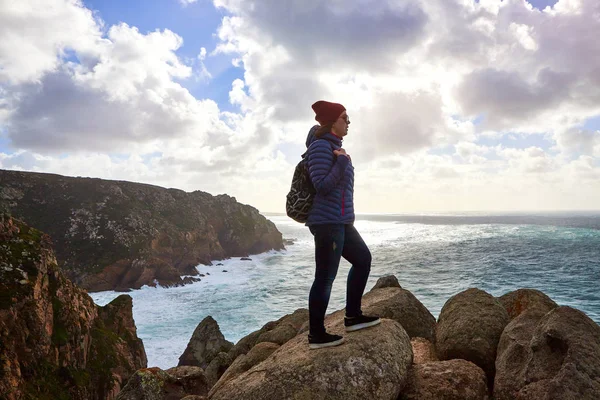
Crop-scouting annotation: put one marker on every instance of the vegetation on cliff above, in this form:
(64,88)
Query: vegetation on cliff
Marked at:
(117,235)
(55,343)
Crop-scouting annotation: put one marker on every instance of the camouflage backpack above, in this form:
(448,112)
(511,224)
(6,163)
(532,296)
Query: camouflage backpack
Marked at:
(301,194)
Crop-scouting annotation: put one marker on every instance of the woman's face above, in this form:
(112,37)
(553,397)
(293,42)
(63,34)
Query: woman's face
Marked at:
(340,127)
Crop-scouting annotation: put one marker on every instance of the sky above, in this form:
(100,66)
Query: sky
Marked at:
(455,105)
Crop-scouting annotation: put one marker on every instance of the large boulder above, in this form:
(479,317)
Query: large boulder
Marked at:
(517,301)
(446,380)
(193,379)
(280,331)
(513,352)
(560,361)
(283,329)
(217,367)
(469,327)
(387,281)
(402,306)
(174,384)
(207,341)
(244,362)
(371,364)
(152,384)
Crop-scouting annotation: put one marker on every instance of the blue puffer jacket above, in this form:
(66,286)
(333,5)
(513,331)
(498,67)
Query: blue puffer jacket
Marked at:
(333,178)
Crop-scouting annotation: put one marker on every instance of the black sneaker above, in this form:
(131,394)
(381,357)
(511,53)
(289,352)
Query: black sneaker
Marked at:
(360,322)
(324,340)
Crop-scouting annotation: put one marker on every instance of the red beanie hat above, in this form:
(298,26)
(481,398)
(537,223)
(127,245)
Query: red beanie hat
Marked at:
(327,113)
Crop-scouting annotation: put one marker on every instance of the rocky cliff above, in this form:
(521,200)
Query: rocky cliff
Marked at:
(55,343)
(113,235)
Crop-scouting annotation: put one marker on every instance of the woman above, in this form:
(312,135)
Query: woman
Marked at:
(331,221)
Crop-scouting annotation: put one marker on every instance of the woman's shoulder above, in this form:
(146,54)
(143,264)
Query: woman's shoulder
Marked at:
(321,144)
(321,150)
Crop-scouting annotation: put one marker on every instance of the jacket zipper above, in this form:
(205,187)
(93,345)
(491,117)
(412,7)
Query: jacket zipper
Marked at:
(343,193)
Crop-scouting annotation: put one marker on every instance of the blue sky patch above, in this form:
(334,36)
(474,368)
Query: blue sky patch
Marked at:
(592,124)
(196,23)
(540,4)
(517,141)
(5,146)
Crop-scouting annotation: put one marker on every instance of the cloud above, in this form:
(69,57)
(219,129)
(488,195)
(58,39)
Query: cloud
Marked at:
(472,153)
(38,34)
(506,99)
(421,80)
(363,34)
(126,94)
(400,123)
(579,141)
(532,160)
(61,114)
(583,170)
(541,64)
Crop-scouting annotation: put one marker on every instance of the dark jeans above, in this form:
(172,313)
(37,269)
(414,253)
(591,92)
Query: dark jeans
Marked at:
(333,241)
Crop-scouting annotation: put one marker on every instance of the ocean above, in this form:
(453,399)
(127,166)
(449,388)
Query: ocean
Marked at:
(433,256)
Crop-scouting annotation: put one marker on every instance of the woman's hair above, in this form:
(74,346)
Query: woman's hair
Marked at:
(323,129)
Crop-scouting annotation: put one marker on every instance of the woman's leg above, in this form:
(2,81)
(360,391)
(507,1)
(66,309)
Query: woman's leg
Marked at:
(329,243)
(357,253)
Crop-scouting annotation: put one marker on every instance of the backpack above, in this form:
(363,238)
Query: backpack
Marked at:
(302,192)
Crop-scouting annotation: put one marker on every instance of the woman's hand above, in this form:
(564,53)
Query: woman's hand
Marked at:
(341,152)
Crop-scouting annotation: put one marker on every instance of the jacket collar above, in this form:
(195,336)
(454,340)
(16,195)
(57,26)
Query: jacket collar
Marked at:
(333,138)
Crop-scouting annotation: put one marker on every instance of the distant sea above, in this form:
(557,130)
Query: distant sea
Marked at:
(433,256)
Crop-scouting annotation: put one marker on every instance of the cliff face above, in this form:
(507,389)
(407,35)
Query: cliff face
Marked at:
(55,343)
(115,235)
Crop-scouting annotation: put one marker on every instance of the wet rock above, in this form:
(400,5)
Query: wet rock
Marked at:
(190,279)
(289,242)
(245,259)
